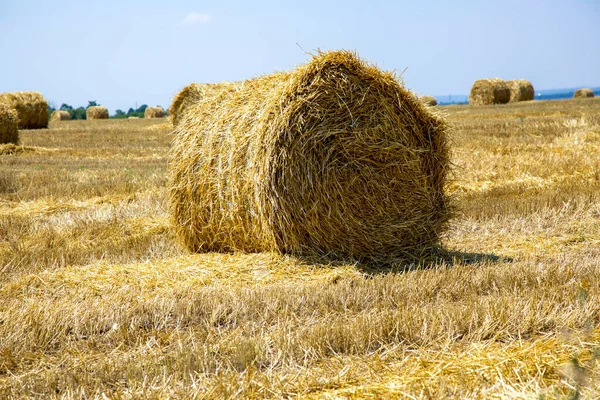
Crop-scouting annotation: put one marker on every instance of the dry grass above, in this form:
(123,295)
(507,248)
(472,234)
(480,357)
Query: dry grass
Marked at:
(332,158)
(97,300)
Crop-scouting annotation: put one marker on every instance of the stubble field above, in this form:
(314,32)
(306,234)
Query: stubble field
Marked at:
(98,299)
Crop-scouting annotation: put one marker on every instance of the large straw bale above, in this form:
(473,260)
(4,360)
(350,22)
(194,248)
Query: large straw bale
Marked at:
(154,112)
(489,91)
(190,95)
(60,115)
(31,108)
(583,93)
(520,90)
(96,112)
(429,100)
(9,124)
(335,157)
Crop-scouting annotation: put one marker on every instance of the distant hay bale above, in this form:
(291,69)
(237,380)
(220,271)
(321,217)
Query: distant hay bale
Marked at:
(190,95)
(154,112)
(31,108)
(60,115)
(9,124)
(96,112)
(520,90)
(583,93)
(489,91)
(335,157)
(429,100)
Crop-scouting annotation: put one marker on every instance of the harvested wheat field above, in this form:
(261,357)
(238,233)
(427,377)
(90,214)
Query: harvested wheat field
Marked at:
(99,300)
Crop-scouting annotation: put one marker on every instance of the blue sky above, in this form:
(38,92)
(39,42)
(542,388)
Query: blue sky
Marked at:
(120,53)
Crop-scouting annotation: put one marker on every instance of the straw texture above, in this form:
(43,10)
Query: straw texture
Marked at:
(520,90)
(489,91)
(429,100)
(190,95)
(335,157)
(31,108)
(154,112)
(9,123)
(60,115)
(96,112)
(583,93)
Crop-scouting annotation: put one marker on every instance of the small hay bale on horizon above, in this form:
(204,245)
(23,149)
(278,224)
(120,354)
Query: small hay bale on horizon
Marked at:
(520,90)
(429,100)
(333,158)
(583,93)
(9,125)
(489,91)
(96,112)
(31,108)
(60,115)
(154,112)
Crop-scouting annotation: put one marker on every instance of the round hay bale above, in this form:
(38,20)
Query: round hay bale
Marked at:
(520,90)
(9,124)
(96,112)
(583,93)
(60,115)
(154,112)
(31,108)
(489,91)
(429,100)
(335,157)
(190,95)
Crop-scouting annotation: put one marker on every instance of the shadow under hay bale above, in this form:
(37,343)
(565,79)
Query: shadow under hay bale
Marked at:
(9,123)
(583,93)
(31,108)
(96,112)
(154,112)
(489,91)
(428,100)
(60,115)
(520,90)
(335,158)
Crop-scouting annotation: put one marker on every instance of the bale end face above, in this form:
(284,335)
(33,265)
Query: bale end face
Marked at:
(583,93)
(96,112)
(9,123)
(332,158)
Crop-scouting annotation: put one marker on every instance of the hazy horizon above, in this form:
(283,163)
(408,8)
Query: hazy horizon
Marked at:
(120,54)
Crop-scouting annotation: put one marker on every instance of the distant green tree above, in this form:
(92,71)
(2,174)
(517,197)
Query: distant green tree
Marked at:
(66,107)
(92,103)
(120,114)
(79,113)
